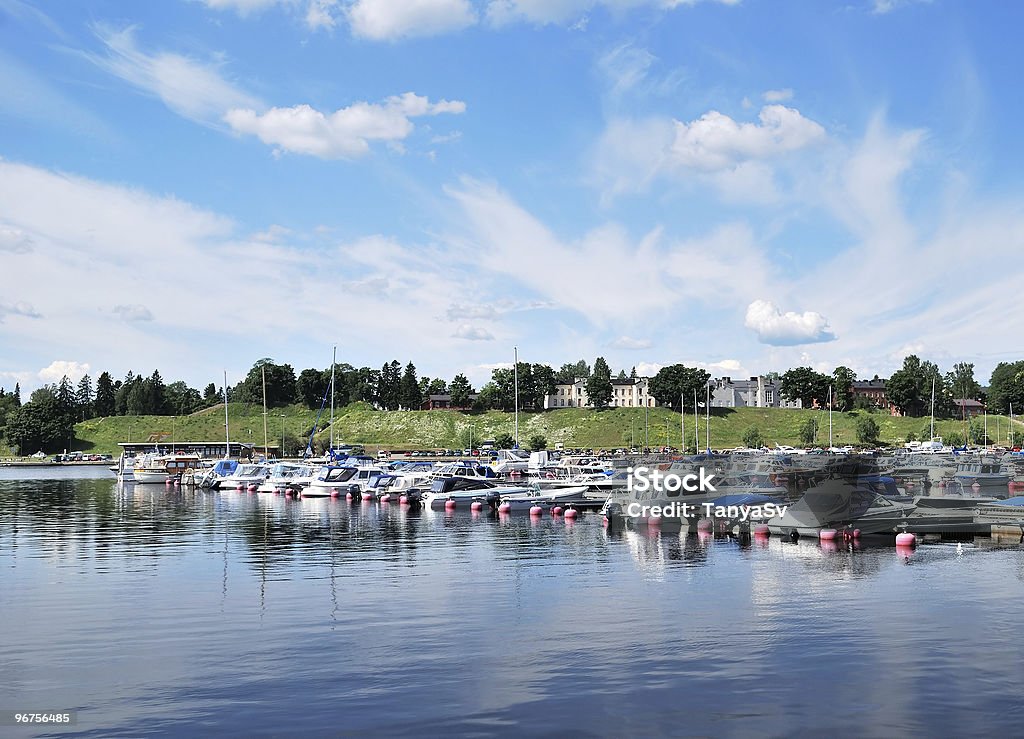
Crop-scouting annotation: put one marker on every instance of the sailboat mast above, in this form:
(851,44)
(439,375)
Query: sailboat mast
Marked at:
(266,451)
(227,432)
(334,362)
(696,422)
(707,420)
(830,444)
(515,389)
(682,426)
(933,408)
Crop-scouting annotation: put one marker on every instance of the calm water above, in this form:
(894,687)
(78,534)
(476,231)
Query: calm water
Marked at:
(160,613)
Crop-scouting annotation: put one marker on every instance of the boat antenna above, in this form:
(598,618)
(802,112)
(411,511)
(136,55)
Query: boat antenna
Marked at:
(515,376)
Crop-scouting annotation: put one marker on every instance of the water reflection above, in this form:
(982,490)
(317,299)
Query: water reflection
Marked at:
(156,610)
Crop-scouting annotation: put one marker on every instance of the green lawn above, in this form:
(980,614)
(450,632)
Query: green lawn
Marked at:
(575,427)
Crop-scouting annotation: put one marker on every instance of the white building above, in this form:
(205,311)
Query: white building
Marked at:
(625,394)
(757,392)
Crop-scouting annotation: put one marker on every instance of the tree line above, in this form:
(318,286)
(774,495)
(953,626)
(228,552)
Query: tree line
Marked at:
(46,420)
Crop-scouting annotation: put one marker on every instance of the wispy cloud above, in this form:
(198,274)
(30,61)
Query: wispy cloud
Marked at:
(191,88)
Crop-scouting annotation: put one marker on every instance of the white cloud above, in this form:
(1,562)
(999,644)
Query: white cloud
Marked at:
(274,234)
(60,368)
(777,96)
(19,308)
(319,15)
(133,312)
(191,88)
(243,7)
(542,12)
(786,329)
(737,159)
(457,311)
(473,333)
(344,134)
(14,240)
(881,7)
(385,20)
(715,141)
(630,344)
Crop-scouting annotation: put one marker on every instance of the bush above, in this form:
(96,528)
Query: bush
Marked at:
(504,441)
(809,431)
(867,430)
(538,442)
(752,438)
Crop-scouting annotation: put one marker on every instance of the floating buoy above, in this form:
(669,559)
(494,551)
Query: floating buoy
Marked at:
(976,486)
(856,533)
(827,534)
(505,508)
(570,513)
(556,511)
(476,505)
(762,530)
(404,500)
(906,539)
(536,510)
(942,483)
(449,505)
(386,498)
(654,521)
(705,524)
(253,488)
(335,493)
(604,521)
(239,487)
(348,496)
(367,496)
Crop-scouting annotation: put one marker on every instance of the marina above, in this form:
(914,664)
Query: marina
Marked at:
(251,614)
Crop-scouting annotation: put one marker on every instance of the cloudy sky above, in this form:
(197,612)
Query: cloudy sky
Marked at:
(745,184)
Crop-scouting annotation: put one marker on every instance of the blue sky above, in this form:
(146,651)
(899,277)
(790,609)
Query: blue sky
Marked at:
(747,185)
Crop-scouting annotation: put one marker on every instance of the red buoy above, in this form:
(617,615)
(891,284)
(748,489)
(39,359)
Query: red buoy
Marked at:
(856,533)
(654,521)
(536,510)
(556,511)
(762,530)
(348,496)
(705,524)
(239,487)
(505,508)
(449,505)
(906,539)
(386,498)
(827,534)
(367,496)
(476,505)
(404,500)
(570,513)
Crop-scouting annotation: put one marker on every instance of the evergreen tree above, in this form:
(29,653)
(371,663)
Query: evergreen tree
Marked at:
(84,398)
(156,395)
(103,404)
(17,394)
(66,398)
(388,390)
(409,393)
(210,395)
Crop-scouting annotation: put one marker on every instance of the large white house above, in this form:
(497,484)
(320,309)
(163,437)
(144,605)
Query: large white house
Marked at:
(625,394)
(757,392)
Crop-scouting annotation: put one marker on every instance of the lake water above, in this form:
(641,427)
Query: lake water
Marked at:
(154,612)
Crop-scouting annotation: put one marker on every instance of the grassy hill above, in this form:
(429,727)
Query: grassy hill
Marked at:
(575,427)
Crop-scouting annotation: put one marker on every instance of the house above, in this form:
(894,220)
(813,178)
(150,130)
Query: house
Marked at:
(757,392)
(874,391)
(444,400)
(628,393)
(967,408)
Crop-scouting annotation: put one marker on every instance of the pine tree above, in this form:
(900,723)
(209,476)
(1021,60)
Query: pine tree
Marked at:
(410,396)
(599,386)
(84,398)
(17,394)
(103,404)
